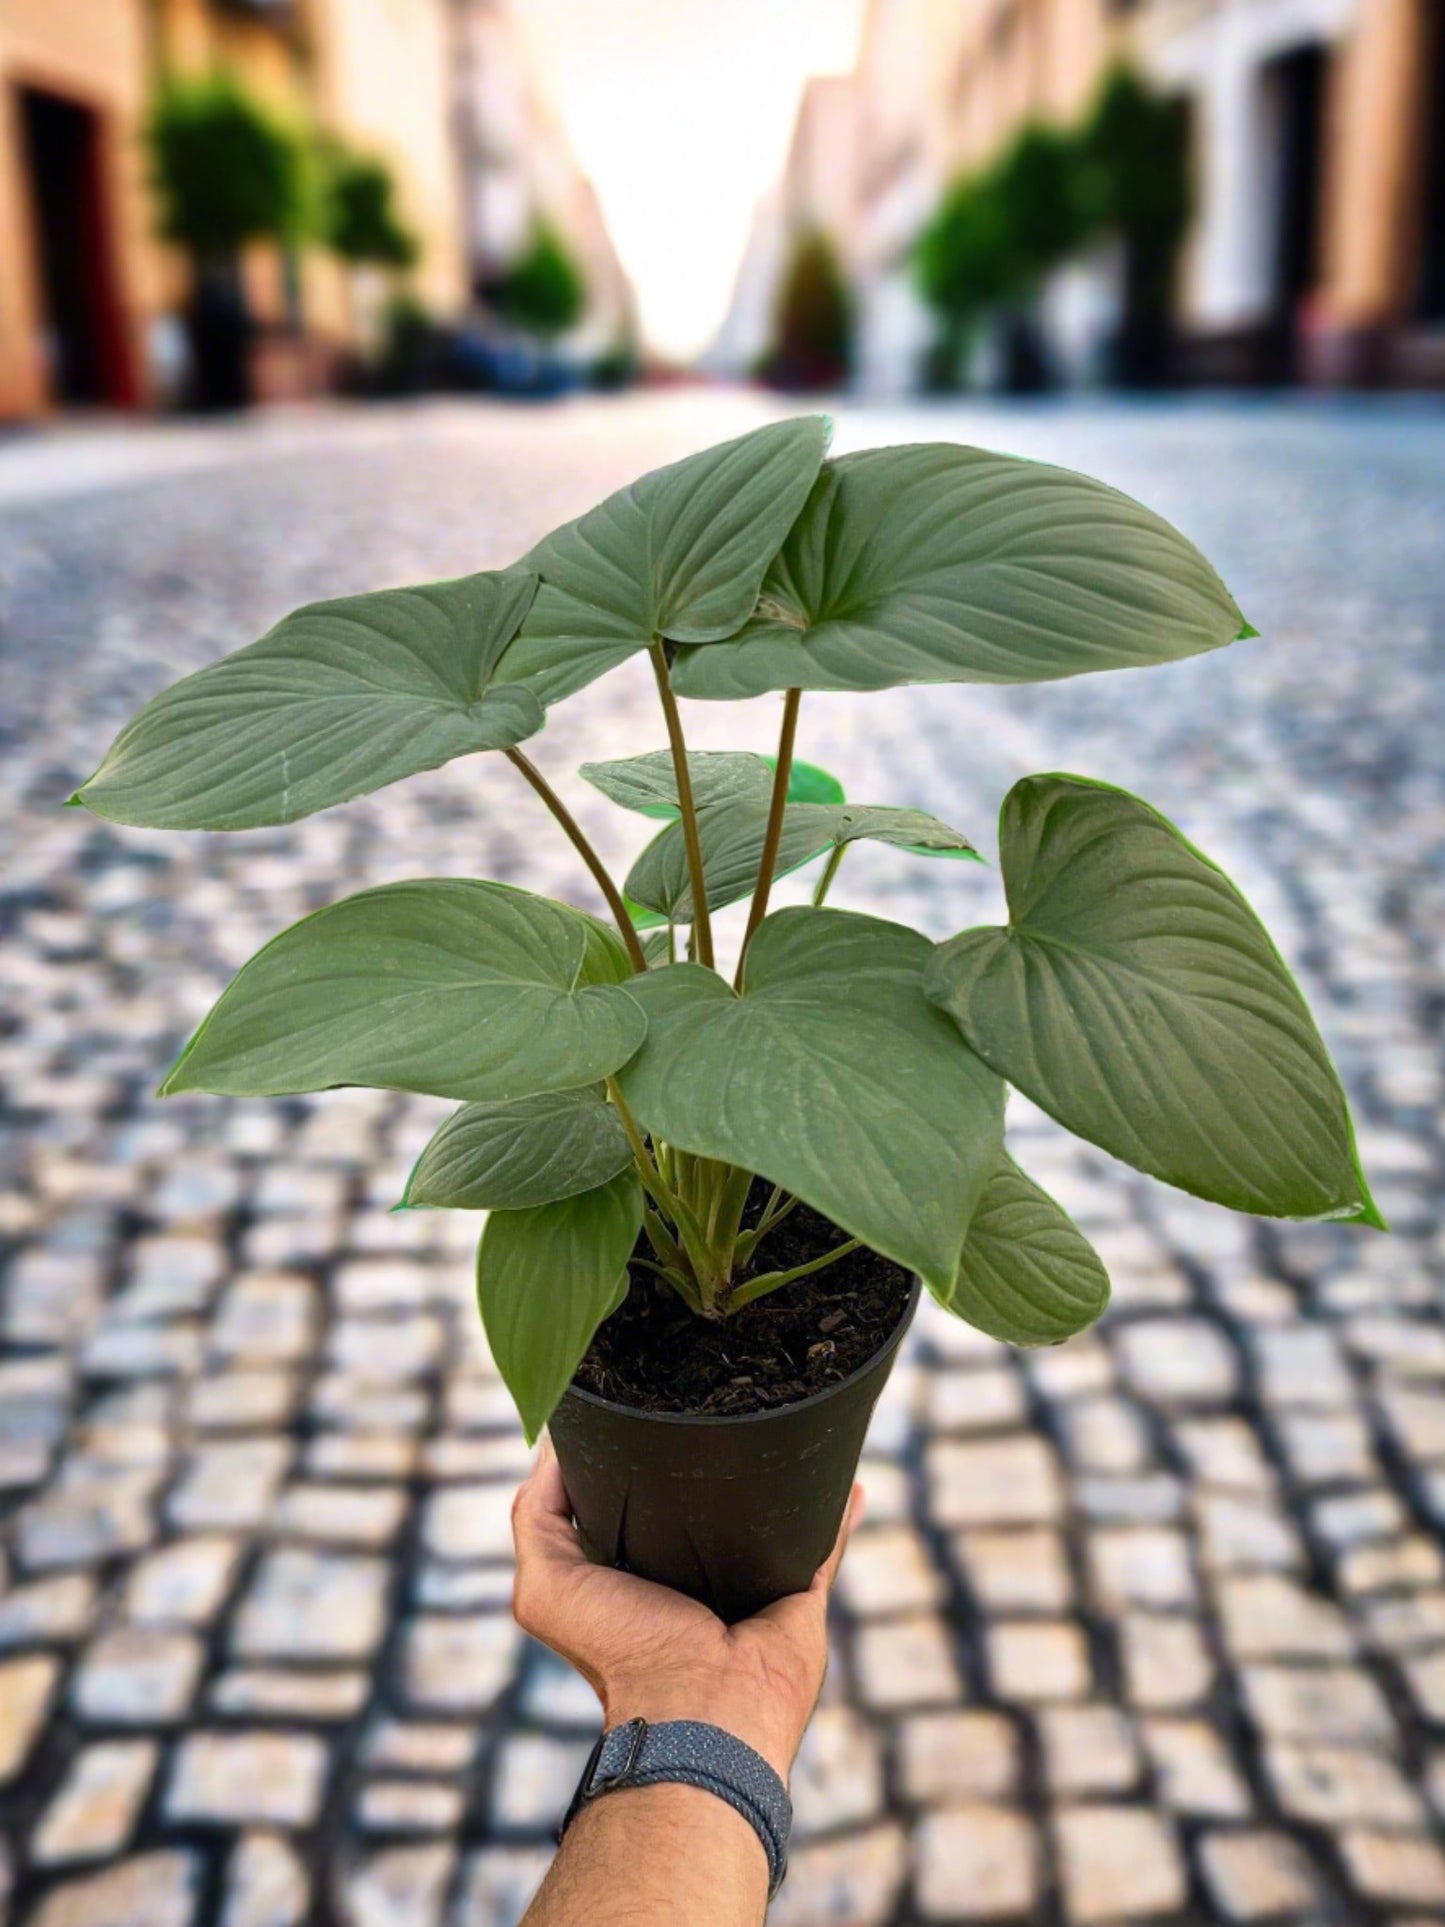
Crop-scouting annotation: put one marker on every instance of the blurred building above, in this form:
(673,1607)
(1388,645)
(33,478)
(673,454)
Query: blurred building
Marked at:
(520,173)
(1318,142)
(437,89)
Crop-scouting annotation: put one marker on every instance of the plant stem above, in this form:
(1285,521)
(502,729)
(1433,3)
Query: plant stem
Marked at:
(647,1171)
(773,836)
(584,849)
(770,1219)
(775,1280)
(830,870)
(701,921)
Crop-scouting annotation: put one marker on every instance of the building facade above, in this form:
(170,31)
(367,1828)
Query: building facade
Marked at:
(1317,129)
(88,292)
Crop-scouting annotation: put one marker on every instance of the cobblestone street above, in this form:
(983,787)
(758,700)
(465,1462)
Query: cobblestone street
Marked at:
(1147,1628)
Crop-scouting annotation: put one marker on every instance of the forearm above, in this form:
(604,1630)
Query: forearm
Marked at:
(651,1857)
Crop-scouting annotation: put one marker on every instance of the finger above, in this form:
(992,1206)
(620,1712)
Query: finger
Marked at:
(825,1575)
(542,1529)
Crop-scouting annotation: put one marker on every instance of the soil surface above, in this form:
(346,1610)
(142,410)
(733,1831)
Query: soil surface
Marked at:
(656,1354)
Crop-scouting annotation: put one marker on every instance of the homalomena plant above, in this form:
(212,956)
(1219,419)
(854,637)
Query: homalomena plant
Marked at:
(619,1095)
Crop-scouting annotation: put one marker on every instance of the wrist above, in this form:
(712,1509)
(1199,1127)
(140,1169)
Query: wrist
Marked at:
(750,1717)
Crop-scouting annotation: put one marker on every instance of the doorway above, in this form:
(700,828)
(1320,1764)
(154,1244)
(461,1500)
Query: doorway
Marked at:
(84,331)
(1295,90)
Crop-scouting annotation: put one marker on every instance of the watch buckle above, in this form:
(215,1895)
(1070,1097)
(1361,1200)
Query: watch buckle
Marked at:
(599,1783)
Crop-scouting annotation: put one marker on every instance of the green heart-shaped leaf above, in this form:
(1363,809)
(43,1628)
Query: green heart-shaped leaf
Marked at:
(831,1075)
(1028,1275)
(680,554)
(446,986)
(648,784)
(732,837)
(339,699)
(546,1279)
(809,784)
(519,1152)
(942,564)
(1136,997)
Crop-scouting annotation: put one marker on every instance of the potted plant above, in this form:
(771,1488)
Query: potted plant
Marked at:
(713,1194)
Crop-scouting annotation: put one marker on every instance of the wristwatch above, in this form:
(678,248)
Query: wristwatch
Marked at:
(691,1753)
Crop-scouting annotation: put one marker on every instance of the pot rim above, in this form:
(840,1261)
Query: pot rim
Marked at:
(885,1350)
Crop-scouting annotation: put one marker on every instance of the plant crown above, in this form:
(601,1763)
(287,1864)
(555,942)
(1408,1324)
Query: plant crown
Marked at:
(616,1091)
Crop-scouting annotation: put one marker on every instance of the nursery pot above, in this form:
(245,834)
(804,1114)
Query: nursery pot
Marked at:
(736,1511)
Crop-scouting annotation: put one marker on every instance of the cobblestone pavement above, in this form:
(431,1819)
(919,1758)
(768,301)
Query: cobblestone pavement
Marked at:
(1151,1627)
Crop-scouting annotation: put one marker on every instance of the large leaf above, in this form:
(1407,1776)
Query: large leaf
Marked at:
(340,698)
(546,1279)
(1028,1274)
(648,784)
(832,1075)
(1135,996)
(680,553)
(732,836)
(942,564)
(523,1151)
(448,986)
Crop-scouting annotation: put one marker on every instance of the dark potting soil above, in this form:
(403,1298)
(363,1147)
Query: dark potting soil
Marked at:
(655,1354)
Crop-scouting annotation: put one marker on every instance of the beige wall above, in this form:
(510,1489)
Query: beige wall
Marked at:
(1376,136)
(94,53)
(385,83)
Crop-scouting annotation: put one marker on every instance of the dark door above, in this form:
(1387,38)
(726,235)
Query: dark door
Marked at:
(1298,83)
(1430,305)
(85,337)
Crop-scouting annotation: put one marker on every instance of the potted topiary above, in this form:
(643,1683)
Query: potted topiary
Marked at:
(713,1197)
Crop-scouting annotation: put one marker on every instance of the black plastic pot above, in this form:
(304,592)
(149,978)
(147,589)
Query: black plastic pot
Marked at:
(735,1511)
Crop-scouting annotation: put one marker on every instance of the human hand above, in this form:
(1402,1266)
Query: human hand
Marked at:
(651,1653)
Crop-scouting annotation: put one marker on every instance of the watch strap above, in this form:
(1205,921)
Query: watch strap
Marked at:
(692,1753)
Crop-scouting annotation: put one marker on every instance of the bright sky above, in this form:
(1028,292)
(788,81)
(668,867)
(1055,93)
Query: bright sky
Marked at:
(681,111)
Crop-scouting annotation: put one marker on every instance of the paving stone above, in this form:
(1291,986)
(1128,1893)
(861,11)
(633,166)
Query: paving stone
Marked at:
(1166,1661)
(975,1863)
(1032,1661)
(265,1318)
(1139,1566)
(1243,1535)
(1177,1361)
(137,1676)
(341,1515)
(1193,1769)
(241,1401)
(1316,1703)
(1155,1499)
(888,1570)
(1425,1679)
(1268,1617)
(534,1779)
(413,1746)
(312,1605)
(856,1880)
(906,1662)
(230,1486)
(1402,1566)
(1302,1365)
(978,1401)
(245,1779)
(1016,1571)
(1012,1481)
(1088,1749)
(837,1779)
(183,1584)
(86,1522)
(148,1890)
(1404,1625)
(1105,1435)
(1327,1449)
(465,1456)
(943,1757)
(267,1884)
(459,1665)
(469,1522)
(401,1887)
(26,1686)
(409,1806)
(1118,1863)
(1332,1785)
(93,1812)
(275,1692)
(1258,1876)
(352,1455)
(554,1695)
(1394,1867)
(1224,1452)
(497,1885)
(450,1589)
(49,1612)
